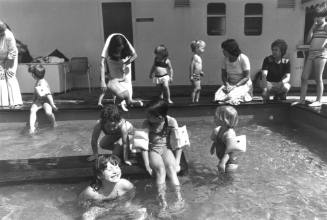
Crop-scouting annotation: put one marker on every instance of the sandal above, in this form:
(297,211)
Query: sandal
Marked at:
(315,104)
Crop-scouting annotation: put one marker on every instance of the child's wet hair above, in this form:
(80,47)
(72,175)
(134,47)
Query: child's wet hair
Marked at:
(228,115)
(162,50)
(100,167)
(110,113)
(197,44)
(37,70)
(158,107)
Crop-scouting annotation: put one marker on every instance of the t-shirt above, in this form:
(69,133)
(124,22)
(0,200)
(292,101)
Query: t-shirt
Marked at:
(276,71)
(235,69)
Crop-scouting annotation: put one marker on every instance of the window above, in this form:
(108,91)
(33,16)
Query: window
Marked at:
(253,19)
(216,19)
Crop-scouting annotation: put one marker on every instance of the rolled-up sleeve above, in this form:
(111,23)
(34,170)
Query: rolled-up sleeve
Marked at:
(11,45)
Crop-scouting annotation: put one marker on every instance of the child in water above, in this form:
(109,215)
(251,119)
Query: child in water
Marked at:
(107,186)
(196,71)
(42,97)
(162,72)
(117,130)
(161,157)
(224,137)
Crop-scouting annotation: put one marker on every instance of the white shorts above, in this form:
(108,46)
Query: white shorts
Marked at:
(118,87)
(161,79)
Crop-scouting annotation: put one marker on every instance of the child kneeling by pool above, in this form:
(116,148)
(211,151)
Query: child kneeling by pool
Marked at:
(118,133)
(225,142)
(42,97)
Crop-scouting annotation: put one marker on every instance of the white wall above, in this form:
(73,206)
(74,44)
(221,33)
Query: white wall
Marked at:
(75,28)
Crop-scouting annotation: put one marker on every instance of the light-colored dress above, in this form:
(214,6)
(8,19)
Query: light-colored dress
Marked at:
(234,71)
(118,83)
(9,88)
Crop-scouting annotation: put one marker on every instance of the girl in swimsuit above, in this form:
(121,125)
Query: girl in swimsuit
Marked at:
(162,72)
(107,186)
(317,37)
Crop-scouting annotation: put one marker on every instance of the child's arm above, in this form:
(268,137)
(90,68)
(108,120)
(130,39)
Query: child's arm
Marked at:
(179,151)
(94,141)
(145,156)
(151,75)
(170,70)
(125,140)
(192,68)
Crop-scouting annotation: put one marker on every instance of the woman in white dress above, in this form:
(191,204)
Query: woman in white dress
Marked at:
(9,88)
(235,71)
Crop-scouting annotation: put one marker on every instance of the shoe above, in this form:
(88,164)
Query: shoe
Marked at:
(170,102)
(315,104)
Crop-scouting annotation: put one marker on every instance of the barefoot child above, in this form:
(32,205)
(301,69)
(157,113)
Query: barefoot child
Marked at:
(162,72)
(42,97)
(117,133)
(225,141)
(161,157)
(196,71)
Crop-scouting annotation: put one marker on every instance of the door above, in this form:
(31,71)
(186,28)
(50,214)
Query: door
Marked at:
(117,18)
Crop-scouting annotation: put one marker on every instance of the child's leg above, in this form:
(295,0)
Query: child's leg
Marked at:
(319,65)
(304,79)
(166,91)
(33,111)
(198,90)
(158,166)
(178,154)
(48,111)
(101,98)
(170,165)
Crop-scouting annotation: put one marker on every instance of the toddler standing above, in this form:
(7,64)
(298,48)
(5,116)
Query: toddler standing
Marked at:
(162,72)
(196,71)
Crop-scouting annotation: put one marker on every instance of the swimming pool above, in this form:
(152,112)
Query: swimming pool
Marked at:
(282,175)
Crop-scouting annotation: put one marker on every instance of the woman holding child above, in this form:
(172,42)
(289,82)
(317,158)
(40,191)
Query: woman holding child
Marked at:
(237,85)
(9,88)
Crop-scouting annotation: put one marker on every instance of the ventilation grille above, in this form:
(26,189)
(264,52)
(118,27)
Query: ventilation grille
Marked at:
(182,3)
(286,4)
(304,1)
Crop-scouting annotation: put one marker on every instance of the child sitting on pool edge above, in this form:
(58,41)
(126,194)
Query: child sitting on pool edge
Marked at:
(118,133)
(42,97)
(225,141)
(161,158)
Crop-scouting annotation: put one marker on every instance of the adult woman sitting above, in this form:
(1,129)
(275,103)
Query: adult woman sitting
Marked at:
(9,88)
(237,85)
(276,72)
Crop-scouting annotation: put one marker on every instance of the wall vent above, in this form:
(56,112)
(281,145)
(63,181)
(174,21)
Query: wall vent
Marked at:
(182,3)
(286,4)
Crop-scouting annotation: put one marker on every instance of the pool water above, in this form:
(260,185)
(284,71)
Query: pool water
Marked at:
(282,175)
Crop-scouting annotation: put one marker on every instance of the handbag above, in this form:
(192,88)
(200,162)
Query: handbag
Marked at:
(179,138)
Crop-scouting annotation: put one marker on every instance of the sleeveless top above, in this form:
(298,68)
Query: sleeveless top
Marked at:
(160,138)
(161,63)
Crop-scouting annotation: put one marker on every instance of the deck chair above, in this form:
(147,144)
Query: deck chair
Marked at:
(80,66)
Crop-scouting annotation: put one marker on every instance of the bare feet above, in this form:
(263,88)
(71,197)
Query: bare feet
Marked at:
(315,104)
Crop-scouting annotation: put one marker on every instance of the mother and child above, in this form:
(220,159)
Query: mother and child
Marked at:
(161,159)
